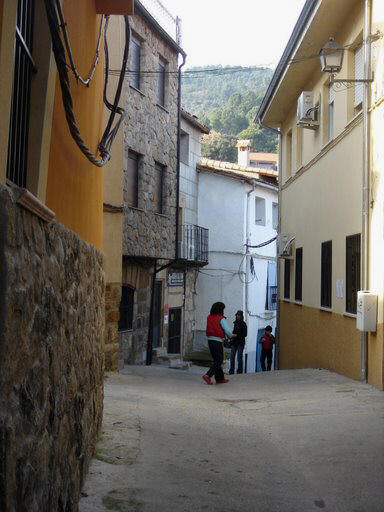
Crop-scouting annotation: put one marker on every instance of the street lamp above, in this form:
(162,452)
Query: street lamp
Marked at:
(331,57)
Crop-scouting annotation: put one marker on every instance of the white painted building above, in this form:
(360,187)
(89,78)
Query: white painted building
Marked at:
(238,204)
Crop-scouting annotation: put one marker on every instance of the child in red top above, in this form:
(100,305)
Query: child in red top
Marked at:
(267,341)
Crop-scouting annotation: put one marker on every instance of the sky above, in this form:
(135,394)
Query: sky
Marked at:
(235,32)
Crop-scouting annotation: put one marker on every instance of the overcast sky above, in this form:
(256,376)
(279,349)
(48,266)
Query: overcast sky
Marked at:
(230,32)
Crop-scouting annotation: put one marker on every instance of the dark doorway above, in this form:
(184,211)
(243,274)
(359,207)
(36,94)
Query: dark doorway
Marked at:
(156,327)
(174,331)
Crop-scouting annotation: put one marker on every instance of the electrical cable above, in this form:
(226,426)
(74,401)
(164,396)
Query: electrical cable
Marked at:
(263,244)
(54,14)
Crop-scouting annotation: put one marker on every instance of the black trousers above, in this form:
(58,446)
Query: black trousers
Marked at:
(237,348)
(217,353)
(266,354)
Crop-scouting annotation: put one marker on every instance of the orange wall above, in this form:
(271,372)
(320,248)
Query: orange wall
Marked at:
(75,186)
(1,18)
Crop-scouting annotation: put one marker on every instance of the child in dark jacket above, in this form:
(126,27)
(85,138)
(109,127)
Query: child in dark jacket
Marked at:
(267,341)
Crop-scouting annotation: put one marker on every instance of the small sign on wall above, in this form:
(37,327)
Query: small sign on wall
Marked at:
(175,278)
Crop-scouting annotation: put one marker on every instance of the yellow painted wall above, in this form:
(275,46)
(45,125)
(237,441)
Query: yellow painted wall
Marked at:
(75,186)
(1,18)
(311,338)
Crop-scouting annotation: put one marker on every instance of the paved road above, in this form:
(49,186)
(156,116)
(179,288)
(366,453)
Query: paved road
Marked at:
(289,441)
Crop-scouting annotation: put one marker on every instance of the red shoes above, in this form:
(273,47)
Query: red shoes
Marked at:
(224,381)
(207,379)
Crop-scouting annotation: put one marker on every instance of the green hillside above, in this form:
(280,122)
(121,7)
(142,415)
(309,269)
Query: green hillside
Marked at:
(226,100)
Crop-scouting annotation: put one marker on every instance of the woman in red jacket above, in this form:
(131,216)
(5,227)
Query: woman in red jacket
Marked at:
(217,329)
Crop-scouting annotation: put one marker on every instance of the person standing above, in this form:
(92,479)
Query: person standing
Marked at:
(217,329)
(238,343)
(267,341)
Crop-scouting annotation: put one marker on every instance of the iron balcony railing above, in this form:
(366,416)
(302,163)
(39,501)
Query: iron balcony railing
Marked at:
(193,244)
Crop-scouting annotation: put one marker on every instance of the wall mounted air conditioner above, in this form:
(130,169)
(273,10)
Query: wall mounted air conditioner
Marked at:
(307,112)
(284,246)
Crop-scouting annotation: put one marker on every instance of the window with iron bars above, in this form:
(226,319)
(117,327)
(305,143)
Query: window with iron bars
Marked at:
(24,67)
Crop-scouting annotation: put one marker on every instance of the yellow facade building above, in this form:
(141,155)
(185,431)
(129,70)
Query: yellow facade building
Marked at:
(331,188)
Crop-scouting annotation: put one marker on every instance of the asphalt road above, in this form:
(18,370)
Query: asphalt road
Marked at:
(289,441)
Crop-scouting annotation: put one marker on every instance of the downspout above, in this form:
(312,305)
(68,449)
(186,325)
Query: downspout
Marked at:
(178,159)
(278,261)
(364,277)
(247,241)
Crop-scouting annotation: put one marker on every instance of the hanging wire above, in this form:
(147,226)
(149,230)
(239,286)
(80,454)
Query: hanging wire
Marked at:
(262,244)
(53,8)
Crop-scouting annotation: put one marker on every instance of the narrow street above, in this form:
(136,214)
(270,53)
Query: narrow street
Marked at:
(288,441)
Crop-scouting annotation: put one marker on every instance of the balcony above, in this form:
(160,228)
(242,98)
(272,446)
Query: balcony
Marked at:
(193,244)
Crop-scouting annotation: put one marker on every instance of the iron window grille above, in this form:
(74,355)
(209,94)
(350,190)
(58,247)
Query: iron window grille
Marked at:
(299,275)
(126,308)
(24,67)
(352,272)
(326,274)
(194,243)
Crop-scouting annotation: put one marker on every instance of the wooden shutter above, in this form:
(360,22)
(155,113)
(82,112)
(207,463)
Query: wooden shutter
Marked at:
(134,64)
(131,180)
(299,275)
(352,272)
(326,274)
(359,74)
(287,279)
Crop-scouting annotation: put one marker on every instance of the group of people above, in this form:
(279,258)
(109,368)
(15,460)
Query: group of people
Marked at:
(218,331)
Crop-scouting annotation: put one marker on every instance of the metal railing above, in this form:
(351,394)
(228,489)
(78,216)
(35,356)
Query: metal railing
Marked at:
(170,23)
(193,245)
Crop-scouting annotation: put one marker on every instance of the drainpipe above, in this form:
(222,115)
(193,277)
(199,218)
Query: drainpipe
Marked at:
(247,241)
(365,180)
(178,159)
(278,261)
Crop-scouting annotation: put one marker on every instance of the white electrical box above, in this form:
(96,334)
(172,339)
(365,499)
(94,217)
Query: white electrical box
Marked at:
(366,311)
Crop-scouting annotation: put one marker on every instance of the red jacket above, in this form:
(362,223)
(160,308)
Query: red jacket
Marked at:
(267,341)
(213,326)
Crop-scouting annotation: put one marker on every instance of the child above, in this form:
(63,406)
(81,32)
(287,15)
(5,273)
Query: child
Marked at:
(267,340)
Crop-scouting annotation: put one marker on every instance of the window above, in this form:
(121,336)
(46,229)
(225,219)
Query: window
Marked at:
(158,188)
(161,82)
(275,215)
(287,279)
(289,154)
(299,275)
(271,298)
(326,274)
(132,180)
(126,308)
(352,272)
(331,114)
(184,147)
(259,211)
(359,72)
(134,64)
(21,96)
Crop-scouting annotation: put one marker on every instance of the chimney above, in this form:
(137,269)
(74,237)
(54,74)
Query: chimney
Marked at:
(243,150)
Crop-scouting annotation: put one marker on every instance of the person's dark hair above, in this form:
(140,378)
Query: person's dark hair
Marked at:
(217,308)
(240,313)
(268,328)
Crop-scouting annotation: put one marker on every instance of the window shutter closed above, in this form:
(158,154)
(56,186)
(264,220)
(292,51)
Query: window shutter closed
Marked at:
(359,74)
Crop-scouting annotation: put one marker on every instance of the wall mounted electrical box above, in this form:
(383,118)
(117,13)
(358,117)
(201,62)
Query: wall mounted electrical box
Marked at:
(366,319)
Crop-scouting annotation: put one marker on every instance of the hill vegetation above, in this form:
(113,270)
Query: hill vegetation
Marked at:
(227,100)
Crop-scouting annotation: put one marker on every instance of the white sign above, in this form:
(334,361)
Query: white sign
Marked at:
(165,319)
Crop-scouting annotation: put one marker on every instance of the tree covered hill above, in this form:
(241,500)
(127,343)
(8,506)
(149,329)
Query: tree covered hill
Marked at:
(226,100)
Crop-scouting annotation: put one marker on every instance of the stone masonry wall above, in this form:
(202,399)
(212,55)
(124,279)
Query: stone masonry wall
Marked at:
(51,362)
(111,337)
(189,310)
(151,131)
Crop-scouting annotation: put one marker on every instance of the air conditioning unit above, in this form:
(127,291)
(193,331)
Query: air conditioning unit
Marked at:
(284,246)
(307,111)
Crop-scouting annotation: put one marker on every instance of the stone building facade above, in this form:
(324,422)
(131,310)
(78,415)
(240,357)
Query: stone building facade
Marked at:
(51,361)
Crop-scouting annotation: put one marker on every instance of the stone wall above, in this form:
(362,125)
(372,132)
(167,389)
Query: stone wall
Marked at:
(189,310)
(151,131)
(111,337)
(51,362)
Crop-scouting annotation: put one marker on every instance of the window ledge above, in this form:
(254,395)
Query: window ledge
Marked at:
(298,302)
(135,208)
(350,315)
(130,330)
(286,300)
(161,215)
(137,90)
(326,310)
(162,108)
(32,204)
(353,119)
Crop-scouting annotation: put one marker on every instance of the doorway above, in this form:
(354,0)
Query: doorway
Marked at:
(156,325)
(174,331)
